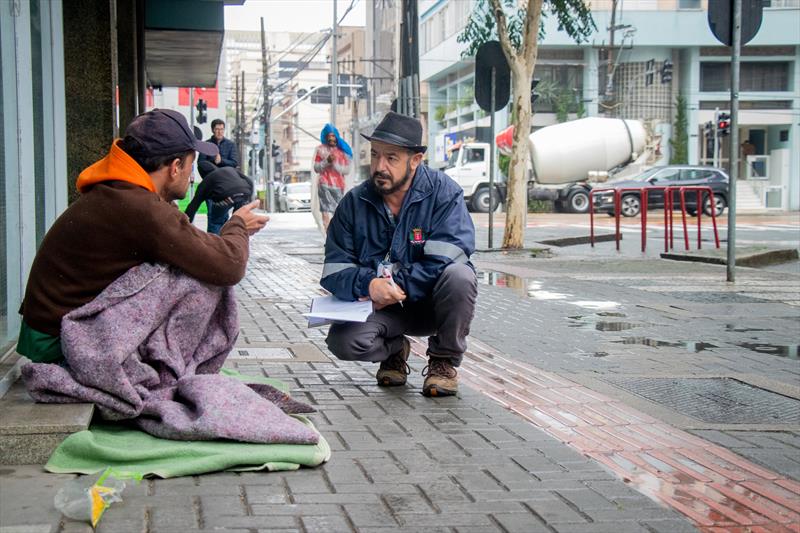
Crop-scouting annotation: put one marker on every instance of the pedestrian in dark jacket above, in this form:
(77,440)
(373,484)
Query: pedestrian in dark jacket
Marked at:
(224,188)
(413,222)
(227,150)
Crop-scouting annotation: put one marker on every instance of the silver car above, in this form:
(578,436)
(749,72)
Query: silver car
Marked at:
(295,197)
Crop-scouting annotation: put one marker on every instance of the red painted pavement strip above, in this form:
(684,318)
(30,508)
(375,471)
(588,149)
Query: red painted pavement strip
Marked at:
(715,488)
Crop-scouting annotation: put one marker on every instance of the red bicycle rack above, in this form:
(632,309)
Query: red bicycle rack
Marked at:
(712,202)
(669,205)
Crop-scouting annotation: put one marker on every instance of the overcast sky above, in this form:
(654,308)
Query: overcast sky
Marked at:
(292,15)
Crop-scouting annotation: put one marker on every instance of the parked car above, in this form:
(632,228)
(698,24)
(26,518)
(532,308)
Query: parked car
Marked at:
(672,175)
(295,197)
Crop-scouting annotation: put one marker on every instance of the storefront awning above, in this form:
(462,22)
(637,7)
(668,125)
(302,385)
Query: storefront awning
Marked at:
(183,41)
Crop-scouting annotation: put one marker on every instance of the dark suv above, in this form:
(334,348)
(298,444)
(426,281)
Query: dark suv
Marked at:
(673,175)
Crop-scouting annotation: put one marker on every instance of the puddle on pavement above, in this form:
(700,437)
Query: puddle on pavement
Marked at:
(792,351)
(528,287)
(501,279)
(690,346)
(743,329)
(598,305)
(547,295)
(592,322)
(594,354)
(533,289)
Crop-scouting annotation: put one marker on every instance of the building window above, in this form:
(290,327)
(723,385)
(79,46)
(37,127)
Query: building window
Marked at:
(755,76)
(689,4)
(559,85)
(782,3)
(461,13)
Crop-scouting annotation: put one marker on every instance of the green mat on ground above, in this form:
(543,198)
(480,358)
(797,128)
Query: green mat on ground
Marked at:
(131,450)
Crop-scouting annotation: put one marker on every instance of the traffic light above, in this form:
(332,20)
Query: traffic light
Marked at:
(666,71)
(723,124)
(276,150)
(361,91)
(201,107)
(534,94)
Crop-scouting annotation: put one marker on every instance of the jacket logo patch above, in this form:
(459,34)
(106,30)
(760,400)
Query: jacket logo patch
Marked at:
(415,236)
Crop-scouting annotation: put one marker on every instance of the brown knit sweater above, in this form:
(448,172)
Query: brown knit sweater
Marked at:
(112,227)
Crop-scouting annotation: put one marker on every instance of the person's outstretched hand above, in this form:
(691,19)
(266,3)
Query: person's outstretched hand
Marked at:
(252,221)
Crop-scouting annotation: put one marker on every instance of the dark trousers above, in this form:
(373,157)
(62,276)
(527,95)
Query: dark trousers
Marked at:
(218,214)
(445,317)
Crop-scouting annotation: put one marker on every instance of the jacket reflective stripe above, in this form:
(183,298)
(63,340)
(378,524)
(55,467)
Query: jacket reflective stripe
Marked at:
(333,268)
(446,249)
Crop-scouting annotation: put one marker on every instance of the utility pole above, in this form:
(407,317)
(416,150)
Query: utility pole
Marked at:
(242,120)
(610,55)
(236,105)
(191,127)
(268,200)
(354,172)
(715,159)
(736,50)
(334,67)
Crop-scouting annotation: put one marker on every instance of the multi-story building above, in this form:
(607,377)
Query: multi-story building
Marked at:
(297,63)
(352,108)
(578,79)
(384,31)
(382,49)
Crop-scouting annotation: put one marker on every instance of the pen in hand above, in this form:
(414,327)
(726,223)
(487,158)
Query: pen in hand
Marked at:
(385,271)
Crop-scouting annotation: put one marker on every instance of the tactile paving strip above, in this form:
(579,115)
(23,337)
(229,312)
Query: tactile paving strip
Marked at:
(717,489)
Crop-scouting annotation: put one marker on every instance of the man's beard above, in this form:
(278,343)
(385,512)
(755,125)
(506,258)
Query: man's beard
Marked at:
(394,187)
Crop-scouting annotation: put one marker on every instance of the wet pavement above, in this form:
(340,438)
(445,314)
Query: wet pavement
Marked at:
(564,422)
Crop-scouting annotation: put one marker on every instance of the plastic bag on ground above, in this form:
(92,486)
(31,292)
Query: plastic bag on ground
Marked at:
(86,498)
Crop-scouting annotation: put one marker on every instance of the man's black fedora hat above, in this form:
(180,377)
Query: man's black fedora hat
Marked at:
(399,130)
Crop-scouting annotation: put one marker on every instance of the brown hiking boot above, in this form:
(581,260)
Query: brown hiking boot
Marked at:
(394,370)
(442,378)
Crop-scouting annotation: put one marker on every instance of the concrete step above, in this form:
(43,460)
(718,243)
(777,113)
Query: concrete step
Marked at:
(10,364)
(30,431)
(746,197)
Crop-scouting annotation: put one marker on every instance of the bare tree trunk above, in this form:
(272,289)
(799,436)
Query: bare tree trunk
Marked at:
(521,62)
(517,206)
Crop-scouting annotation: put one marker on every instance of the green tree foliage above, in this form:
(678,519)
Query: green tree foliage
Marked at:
(502,163)
(574,18)
(680,134)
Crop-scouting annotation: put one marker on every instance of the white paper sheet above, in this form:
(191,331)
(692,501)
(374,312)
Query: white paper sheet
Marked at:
(327,309)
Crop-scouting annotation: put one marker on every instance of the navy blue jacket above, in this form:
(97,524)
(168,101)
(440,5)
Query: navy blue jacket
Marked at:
(227,151)
(433,230)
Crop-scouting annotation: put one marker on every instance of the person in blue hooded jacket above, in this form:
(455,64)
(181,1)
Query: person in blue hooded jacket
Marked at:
(332,163)
(412,221)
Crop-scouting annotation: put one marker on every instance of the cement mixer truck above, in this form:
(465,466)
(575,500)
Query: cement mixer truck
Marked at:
(565,161)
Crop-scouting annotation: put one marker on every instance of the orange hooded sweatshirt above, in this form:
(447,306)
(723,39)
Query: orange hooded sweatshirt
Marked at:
(117,166)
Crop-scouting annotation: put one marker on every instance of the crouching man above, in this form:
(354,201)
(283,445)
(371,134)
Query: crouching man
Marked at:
(125,217)
(414,221)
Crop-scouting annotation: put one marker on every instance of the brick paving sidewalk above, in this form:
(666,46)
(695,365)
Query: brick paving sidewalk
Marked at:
(401,462)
